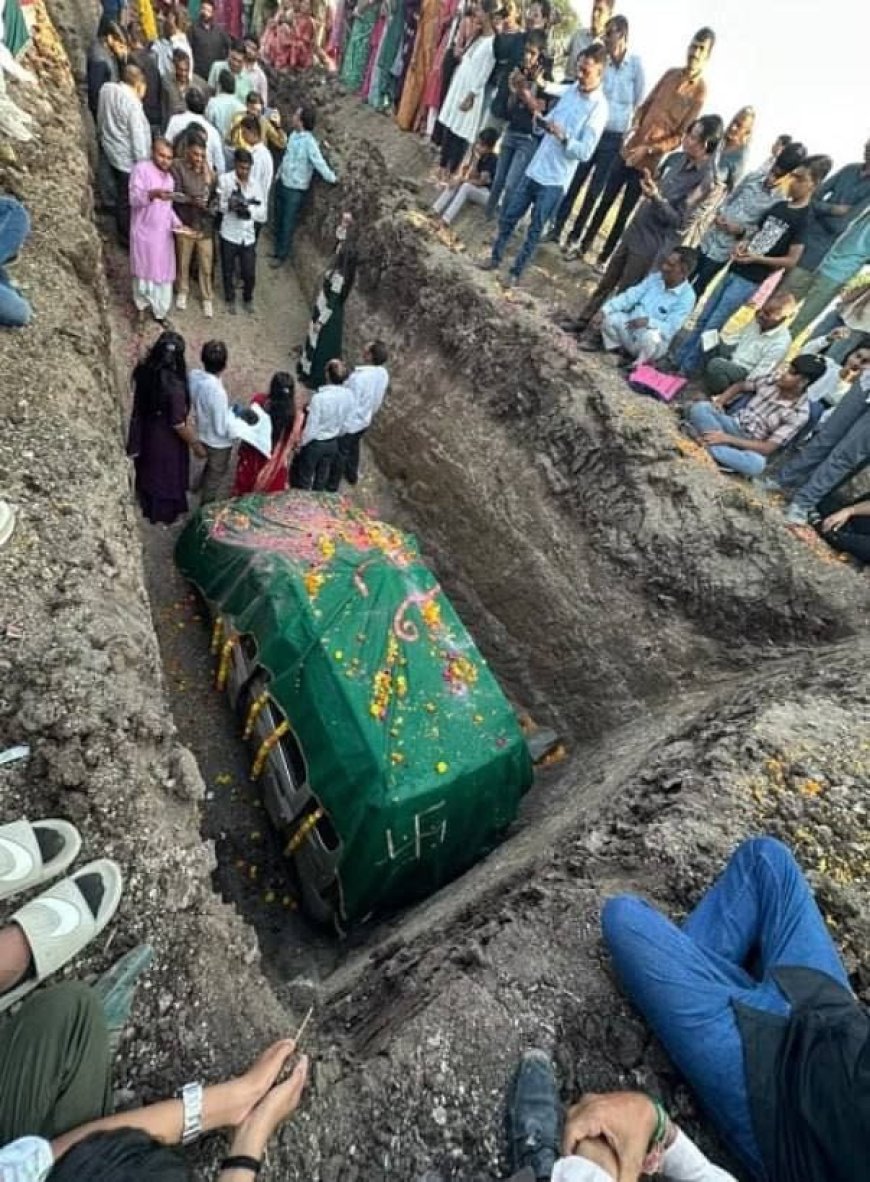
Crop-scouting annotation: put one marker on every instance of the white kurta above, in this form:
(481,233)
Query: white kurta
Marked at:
(472,75)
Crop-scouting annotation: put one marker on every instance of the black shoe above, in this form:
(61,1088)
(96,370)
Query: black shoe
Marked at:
(534,1116)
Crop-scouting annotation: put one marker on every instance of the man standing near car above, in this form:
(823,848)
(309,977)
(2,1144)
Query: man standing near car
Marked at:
(329,412)
(211,409)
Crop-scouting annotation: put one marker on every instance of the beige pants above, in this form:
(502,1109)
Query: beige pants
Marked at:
(185,245)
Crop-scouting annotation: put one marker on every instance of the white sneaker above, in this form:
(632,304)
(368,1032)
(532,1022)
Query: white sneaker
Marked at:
(207,309)
(181,301)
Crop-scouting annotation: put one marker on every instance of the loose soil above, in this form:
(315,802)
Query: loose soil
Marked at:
(707,671)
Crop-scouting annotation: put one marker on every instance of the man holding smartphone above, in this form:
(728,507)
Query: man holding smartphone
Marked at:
(572,132)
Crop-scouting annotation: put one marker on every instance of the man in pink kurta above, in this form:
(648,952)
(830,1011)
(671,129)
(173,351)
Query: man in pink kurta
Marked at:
(152,220)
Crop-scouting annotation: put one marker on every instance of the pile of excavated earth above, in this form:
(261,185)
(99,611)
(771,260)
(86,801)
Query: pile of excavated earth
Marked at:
(706,670)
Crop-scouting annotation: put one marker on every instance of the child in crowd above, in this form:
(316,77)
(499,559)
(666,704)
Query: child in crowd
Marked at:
(477,179)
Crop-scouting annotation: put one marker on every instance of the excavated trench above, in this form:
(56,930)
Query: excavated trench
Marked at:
(702,665)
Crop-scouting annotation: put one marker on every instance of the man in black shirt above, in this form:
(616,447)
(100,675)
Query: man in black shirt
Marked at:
(208,42)
(776,245)
(750,999)
(518,143)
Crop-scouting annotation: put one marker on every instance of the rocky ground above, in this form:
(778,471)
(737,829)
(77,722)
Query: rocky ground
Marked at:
(708,671)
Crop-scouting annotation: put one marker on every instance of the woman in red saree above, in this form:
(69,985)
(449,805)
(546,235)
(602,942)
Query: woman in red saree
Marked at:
(255,472)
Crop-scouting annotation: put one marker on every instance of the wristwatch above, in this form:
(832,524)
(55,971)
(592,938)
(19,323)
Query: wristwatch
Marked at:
(191,1101)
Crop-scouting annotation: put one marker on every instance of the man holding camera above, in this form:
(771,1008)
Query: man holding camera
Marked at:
(243,205)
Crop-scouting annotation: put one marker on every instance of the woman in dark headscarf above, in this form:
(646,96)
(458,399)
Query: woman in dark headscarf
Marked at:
(161,436)
(323,341)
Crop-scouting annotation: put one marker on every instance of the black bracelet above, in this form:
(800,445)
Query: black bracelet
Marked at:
(241,1163)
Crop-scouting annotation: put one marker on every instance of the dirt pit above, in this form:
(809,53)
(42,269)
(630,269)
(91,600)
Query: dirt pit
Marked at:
(707,670)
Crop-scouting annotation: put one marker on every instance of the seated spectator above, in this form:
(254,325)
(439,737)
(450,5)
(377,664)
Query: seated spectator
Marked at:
(601,1138)
(836,382)
(56,1089)
(743,441)
(643,320)
(476,179)
(15,312)
(271,132)
(848,530)
(758,349)
(839,449)
(750,998)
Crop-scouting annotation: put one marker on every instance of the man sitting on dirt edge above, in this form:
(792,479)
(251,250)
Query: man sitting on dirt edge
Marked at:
(752,1002)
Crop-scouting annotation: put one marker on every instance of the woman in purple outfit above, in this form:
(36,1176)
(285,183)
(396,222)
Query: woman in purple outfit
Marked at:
(161,436)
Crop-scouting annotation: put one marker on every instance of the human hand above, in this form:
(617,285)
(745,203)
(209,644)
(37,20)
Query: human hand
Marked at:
(633,157)
(711,438)
(597,321)
(557,130)
(160,194)
(279,1102)
(840,211)
(199,450)
(625,1120)
(835,521)
(839,334)
(467,103)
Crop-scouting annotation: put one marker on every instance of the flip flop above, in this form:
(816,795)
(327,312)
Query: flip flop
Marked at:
(7,522)
(22,864)
(59,923)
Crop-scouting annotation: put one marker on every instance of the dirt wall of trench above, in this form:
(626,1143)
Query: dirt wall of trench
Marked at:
(602,562)
(80,675)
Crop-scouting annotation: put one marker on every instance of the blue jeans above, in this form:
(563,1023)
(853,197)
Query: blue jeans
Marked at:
(514,154)
(731,294)
(705,417)
(759,913)
(288,205)
(543,200)
(600,164)
(15,311)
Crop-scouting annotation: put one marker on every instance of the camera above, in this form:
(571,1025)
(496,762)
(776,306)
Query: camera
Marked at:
(240,205)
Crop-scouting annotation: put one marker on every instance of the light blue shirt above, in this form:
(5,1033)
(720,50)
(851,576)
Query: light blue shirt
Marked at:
(302,158)
(623,88)
(583,117)
(666,308)
(849,253)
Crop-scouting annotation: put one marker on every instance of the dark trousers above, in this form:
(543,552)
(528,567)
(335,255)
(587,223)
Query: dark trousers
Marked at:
(122,204)
(853,537)
(706,271)
(453,149)
(599,165)
(345,462)
(620,179)
(247,260)
(314,465)
(624,270)
(288,206)
(54,1064)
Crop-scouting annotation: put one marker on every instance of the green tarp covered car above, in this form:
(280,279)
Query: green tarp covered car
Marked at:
(390,758)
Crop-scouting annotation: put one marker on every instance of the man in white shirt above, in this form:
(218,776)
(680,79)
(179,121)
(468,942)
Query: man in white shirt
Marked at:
(253,71)
(262,164)
(757,351)
(369,383)
(329,411)
(243,205)
(211,409)
(195,115)
(125,137)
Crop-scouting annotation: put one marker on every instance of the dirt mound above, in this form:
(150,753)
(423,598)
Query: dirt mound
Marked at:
(618,584)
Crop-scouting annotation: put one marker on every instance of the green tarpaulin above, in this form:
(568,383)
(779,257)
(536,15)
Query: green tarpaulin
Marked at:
(411,746)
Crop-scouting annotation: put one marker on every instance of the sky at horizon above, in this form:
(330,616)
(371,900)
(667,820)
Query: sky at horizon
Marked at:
(766,57)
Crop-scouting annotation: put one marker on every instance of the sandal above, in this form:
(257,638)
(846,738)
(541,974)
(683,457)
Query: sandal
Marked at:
(31,854)
(63,920)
